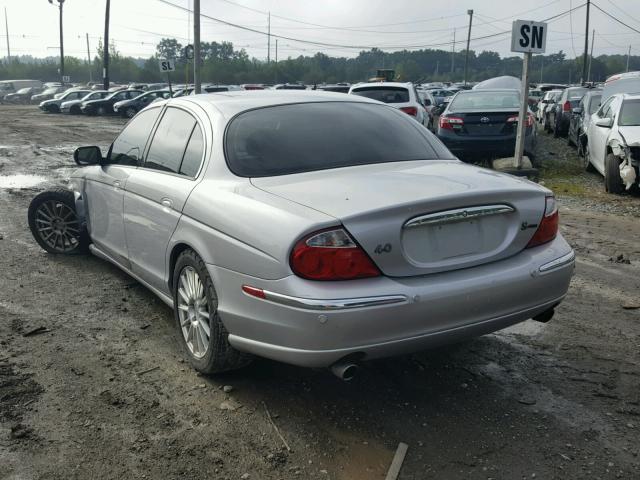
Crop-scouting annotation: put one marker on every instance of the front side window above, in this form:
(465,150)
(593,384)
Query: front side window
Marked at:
(170,141)
(384,94)
(128,148)
(630,113)
(295,138)
(604,110)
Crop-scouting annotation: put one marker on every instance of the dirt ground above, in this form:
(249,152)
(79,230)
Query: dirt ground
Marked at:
(104,392)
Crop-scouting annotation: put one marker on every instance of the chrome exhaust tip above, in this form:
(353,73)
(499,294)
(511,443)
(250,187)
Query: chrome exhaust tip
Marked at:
(345,370)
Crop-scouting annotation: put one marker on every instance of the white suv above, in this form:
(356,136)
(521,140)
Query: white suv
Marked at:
(402,96)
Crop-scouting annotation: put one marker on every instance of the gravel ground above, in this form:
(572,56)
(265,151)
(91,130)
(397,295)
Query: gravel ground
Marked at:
(105,393)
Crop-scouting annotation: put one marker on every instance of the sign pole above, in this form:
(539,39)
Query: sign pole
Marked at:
(169,82)
(523,112)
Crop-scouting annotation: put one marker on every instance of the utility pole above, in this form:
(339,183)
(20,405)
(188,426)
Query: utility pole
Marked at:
(541,66)
(6,27)
(593,37)
(269,38)
(437,67)
(586,45)
(276,61)
(89,58)
(197,81)
(60,3)
(453,53)
(466,56)
(105,49)
(628,56)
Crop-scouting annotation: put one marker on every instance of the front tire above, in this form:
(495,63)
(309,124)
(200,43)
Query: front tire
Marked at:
(54,223)
(101,111)
(202,334)
(130,112)
(612,180)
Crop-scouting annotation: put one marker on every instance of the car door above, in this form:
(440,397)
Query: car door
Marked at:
(598,135)
(105,184)
(156,194)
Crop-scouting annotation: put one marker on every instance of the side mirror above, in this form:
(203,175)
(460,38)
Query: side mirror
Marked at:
(604,122)
(577,111)
(87,156)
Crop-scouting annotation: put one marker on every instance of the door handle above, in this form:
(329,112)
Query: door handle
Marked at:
(166,202)
(117,184)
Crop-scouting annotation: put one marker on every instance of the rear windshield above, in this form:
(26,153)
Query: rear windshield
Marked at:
(576,93)
(304,137)
(483,100)
(384,94)
(24,90)
(630,113)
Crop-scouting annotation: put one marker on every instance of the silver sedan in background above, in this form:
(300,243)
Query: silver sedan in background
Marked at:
(317,229)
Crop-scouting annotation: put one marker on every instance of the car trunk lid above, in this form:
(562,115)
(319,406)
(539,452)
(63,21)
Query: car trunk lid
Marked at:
(421,217)
(490,123)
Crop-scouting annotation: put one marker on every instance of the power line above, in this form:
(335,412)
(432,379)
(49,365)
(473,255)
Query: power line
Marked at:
(360,47)
(616,19)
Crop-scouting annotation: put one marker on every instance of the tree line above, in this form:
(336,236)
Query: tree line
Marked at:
(222,63)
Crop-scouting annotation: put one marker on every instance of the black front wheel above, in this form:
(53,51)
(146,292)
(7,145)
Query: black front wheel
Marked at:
(612,180)
(54,223)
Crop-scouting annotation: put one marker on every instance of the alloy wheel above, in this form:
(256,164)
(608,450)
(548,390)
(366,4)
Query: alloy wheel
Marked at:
(193,312)
(57,224)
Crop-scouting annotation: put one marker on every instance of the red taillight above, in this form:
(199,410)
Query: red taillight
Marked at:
(566,106)
(413,111)
(331,255)
(548,228)
(527,123)
(447,123)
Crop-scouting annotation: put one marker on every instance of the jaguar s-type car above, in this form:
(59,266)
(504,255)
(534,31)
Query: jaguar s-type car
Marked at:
(312,228)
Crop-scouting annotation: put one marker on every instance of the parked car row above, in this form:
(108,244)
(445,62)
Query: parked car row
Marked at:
(603,124)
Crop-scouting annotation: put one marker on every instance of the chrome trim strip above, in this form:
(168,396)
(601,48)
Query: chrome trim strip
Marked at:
(332,304)
(558,262)
(458,215)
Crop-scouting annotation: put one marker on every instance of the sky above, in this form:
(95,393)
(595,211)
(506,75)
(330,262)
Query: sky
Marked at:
(342,27)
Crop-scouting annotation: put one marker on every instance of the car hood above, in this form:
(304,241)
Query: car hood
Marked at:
(631,134)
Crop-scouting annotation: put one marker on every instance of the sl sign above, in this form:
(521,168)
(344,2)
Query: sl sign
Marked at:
(528,36)
(166,65)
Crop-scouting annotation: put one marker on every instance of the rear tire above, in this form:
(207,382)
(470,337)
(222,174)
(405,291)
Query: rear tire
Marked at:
(54,224)
(570,141)
(612,180)
(193,291)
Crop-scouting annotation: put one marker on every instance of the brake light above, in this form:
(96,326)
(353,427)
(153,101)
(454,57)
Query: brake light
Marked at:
(413,111)
(448,123)
(566,106)
(548,228)
(331,255)
(527,123)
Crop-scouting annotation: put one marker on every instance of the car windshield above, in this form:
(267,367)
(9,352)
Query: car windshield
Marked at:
(384,94)
(304,137)
(50,91)
(630,113)
(485,100)
(23,90)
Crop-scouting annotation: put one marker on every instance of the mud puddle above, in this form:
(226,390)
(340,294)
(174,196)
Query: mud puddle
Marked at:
(21,181)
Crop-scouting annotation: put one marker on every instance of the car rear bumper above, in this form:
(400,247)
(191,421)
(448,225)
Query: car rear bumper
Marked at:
(316,324)
(493,147)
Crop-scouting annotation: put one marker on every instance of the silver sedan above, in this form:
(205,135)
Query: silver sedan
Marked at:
(317,229)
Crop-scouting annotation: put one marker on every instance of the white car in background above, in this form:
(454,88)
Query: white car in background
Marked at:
(402,96)
(613,148)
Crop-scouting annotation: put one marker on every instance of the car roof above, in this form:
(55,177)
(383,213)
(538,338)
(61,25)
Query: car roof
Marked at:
(487,90)
(234,102)
(631,96)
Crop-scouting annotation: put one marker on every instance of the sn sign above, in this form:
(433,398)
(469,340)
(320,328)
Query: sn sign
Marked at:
(528,36)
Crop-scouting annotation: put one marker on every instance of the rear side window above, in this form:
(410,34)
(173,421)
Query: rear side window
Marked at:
(304,137)
(384,94)
(128,148)
(193,154)
(170,140)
